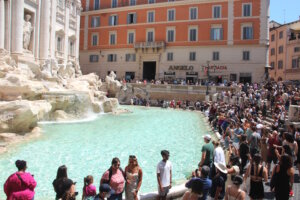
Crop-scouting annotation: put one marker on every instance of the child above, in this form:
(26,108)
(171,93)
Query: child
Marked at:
(89,190)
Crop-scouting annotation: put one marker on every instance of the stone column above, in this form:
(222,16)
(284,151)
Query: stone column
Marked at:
(86,32)
(7,25)
(45,32)
(67,24)
(2,24)
(77,34)
(53,31)
(17,27)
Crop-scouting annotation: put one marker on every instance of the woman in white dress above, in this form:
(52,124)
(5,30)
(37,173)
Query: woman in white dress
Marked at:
(134,177)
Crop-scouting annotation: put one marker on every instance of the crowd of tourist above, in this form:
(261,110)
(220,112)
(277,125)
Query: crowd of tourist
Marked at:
(236,163)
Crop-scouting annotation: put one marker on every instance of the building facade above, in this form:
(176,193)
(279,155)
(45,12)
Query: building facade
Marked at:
(284,51)
(226,40)
(40,31)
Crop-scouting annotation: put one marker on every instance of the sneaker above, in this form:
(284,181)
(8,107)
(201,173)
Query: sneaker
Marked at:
(291,193)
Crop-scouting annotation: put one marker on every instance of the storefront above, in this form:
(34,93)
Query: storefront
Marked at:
(191,77)
(169,76)
(245,77)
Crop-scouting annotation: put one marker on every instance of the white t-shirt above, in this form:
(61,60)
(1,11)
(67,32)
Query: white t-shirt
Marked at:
(164,169)
(219,155)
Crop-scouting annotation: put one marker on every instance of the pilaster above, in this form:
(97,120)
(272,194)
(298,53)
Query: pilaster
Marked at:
(230,22)
(17,27)
(67,24)
(45,32)
(53,31)
(2,24)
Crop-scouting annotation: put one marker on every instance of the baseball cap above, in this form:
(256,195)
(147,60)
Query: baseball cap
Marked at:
(207,136)
(106,188)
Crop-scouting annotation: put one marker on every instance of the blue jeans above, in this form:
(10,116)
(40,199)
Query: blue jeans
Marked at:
(116,197)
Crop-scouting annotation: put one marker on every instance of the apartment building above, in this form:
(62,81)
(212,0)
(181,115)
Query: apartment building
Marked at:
(226,40)
(284,51)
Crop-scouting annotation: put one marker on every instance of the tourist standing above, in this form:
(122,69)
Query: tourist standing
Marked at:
(243,153)
(218,182)
(258,173)
(207,152)
(20,185)
(219,155)
(164,175)
(254,142)
(134,177)
(115,177)
(59,181)
(89,190)
(233,192)
(272,142)
(283,178)
(69,190)
(205,181)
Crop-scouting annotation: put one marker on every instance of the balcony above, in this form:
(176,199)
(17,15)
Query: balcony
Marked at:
(295,70)
(294,38)
(148,45)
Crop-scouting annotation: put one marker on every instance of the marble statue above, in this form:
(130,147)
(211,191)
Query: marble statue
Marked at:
(27,29)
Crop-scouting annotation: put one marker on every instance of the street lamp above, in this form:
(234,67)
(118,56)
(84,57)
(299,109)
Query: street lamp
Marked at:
(207,71)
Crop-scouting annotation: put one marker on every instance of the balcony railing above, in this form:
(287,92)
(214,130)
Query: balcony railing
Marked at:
(145,45)
(296,70)
(59,54)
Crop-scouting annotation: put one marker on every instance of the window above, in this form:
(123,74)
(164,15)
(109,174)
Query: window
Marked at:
(247,33)
(71,47)
(150,36)
(216,11)
(192,56)
(170,35)
(272,37)
(113,20)
(112,58)
(297,49)
(132,2)
(114,3)
(280,64)
(215,55)
(193,13)
(94,40)
(233,77)
(169,56)
(96,4)
(94,58)
(280,34)
(171,15)
(112,38)
(272,65)
(216,33)
(192,34)
(272,51)
(131,18)
(130,37)
(61,3)
(280,49)
(246,55)
(59,44)
(247,10)
(295,63)
(130,57)
(95,21)
(150,16)
(151,1)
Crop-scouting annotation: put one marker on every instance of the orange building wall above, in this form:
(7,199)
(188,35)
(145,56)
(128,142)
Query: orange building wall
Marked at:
(181,24)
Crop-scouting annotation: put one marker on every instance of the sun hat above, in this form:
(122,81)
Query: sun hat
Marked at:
(207,136)
(221,167)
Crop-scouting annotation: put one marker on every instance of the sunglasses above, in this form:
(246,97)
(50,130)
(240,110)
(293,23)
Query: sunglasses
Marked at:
(132,156)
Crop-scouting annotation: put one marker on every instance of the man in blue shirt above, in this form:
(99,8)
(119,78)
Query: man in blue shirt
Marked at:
(204,179)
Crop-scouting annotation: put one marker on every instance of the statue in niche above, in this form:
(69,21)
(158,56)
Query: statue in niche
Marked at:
(27,29)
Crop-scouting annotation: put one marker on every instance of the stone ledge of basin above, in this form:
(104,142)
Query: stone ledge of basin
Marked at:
(175,192)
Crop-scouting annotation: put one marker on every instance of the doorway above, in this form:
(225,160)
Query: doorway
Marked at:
(149,70)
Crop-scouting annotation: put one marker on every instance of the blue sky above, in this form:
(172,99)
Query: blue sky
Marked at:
(284,10)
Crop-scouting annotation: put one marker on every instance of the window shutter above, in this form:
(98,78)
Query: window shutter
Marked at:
(110,20)
(212,34)
(127,18)
(134,18)
(221,33)
(251,32)
(117,17)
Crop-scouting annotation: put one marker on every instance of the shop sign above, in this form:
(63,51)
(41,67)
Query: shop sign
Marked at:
(192,73)
(181,68)
(215,68)
(169,73)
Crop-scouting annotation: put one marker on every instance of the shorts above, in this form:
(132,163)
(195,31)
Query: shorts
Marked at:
(236,145)
(164,192)
(271,158)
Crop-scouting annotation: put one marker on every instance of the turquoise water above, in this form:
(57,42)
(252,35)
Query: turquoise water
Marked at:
(87,148)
